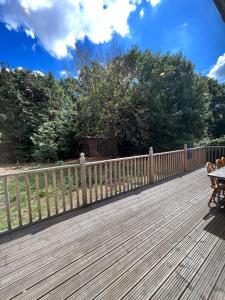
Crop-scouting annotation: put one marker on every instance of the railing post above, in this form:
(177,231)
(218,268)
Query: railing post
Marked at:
(151,167)
(185,157)
(83,179)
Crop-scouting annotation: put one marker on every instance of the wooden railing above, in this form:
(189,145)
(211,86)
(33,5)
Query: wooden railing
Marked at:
(214,152)
(30,196)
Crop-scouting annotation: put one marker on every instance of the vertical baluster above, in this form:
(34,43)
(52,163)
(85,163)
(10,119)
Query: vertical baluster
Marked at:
(7,204)
(176,155)
(179,163)
(124,179)
(46,193)
(145,170)
(128,174)
(131,173)
(199,157)
(100,179)
(175,169)
(138,172)
(157,167)
(55,191)
(196,163)
(77,186)
(164,166)
(160,166)
(27,183)
(135,172)
(161,163)
(106,181)
(37,185)
(110,178)
(176,162)
(90,183)
(96,182)
(62,189)
(119,175)
(171,164)
(70,188)
(167,165)
(115,177)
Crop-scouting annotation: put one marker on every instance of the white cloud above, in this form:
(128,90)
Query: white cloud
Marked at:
(63,73)
(218,70)
(141,13)
(154,2)
(186,24)
(33,47)
(58,24)
(37,72)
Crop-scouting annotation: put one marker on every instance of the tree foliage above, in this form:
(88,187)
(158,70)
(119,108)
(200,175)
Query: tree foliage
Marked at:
(141,99)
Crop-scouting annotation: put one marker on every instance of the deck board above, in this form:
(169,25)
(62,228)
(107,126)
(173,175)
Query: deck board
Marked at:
(158,242)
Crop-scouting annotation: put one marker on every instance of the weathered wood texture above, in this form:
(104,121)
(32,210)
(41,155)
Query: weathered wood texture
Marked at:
(158,242)
(214,152)
(31,196)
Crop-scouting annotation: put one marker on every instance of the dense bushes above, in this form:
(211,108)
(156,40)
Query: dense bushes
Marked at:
(140,99)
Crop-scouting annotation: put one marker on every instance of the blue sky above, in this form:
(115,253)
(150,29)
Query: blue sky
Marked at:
(40,35)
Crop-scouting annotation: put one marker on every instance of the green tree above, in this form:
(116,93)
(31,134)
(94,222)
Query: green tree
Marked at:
(217,109)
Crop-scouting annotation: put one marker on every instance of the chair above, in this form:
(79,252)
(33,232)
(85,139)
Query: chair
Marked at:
(210,167)
(223,161)
(219,163)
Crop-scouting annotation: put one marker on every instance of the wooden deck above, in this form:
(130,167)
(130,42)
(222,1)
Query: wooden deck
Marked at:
(160,242)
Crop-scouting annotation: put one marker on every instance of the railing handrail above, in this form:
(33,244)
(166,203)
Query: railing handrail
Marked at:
(97,162)
(39,170)
(55,168)
(215,146)
(195,148)
(168,152)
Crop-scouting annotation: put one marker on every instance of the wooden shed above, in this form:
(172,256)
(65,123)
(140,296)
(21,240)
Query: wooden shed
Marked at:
(99,145)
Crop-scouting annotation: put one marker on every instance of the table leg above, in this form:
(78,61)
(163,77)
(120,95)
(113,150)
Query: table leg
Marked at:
(218,204)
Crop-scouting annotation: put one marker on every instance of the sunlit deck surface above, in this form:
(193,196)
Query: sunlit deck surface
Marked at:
(158,242)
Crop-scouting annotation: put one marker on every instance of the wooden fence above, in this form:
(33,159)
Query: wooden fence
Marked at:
(214,152)
(30,196)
